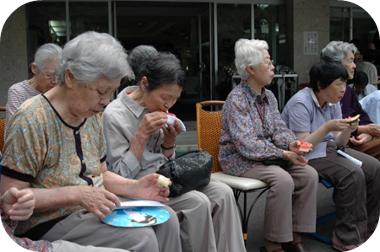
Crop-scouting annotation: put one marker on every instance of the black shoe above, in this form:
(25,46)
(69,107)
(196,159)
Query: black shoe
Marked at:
(263,249)
(294,247)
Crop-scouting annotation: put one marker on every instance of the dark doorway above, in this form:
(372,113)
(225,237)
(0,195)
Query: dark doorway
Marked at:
(182,28)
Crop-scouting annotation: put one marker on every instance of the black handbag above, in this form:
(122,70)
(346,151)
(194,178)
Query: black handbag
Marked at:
(280,162)
(187,172)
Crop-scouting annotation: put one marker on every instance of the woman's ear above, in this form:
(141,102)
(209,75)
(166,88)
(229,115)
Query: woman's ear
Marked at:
(250,69)
(69,78)
(319,86)
(144,83)
(33,68)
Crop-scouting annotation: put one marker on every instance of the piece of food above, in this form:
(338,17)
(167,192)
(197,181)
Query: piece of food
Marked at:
(171,114)
(354,119)
(171,119)
(304,146)
(164,181)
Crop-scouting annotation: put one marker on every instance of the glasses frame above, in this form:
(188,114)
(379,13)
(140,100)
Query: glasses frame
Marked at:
(49,78)
(269,63)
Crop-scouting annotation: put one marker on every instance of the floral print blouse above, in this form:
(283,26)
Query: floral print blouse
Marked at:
(252,130)
(42,149)
(40,246)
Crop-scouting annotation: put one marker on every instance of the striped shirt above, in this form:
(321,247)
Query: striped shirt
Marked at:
(17,94)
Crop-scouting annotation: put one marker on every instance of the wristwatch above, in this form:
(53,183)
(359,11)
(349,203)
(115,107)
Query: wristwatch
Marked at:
(167,148)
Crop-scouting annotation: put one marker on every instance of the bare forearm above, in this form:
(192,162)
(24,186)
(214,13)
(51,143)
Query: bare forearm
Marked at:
(342,138)
(362,129)
(119,185)
(46,199)
(138,145)
(314,138)
(370,129)
(49,199)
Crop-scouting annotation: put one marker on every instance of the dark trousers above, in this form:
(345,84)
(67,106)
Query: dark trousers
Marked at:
(358,191)
(371,148)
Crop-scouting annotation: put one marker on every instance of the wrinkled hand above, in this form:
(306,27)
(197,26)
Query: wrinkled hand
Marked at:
(18,204)
(354,125)
(295,158)
(171,132)
(147,187)
(374,129)
(152,122)
(98,200)
(360,139)
(342,125)
(295,147)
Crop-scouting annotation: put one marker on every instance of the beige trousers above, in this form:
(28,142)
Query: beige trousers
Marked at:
(291,200)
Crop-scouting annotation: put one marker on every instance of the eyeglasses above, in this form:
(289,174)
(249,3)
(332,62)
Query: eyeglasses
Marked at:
(48,77)
(269,63)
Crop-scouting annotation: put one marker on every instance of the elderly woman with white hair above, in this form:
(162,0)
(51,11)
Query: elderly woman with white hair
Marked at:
(255,143)
(43,67)
(55,146)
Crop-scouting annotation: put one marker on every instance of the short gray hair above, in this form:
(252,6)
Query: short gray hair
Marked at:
(47,54)
(138,56)
(92,55)
(337,51)
(248,52)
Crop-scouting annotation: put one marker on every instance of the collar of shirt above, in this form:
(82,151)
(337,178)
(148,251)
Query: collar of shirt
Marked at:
(257,97)
(133,106)
(315,98)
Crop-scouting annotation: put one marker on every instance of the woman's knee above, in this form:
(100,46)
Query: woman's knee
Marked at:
(355,177)
(172,224)
(224,190)
(220,194)
(372,169)
(198,200)
(311,176)
(284,184)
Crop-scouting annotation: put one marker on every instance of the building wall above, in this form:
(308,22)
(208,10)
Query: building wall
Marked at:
(305,15)
(13,52)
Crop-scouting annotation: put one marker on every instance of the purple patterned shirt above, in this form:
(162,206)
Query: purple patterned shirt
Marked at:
(252,130)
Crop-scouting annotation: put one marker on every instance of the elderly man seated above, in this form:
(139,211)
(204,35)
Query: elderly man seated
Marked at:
(371,105)
(361,85)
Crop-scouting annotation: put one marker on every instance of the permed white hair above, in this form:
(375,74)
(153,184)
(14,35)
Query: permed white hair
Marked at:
(92,55)
(337,51)
(47,54)
(248,52)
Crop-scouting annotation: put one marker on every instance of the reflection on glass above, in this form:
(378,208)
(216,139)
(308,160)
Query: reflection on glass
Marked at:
(57,30)
(364,28)
(270,25)
(88,16)
(234,22)
(179,28)
(339,24)
(43,19)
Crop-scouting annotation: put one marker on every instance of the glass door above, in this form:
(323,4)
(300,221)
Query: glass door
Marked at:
(180,28)
(233,23)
